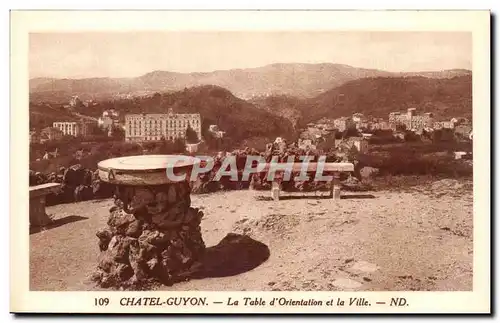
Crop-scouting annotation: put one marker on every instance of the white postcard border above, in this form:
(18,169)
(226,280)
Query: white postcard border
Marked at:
(24,22)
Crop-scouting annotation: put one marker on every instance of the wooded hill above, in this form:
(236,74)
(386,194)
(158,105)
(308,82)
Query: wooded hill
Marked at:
(377,97)
(238,118)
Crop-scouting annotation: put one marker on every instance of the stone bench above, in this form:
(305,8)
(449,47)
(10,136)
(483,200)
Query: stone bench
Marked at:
(38,217)
(328,168)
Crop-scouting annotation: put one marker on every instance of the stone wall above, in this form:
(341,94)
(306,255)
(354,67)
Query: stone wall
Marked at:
(153,235)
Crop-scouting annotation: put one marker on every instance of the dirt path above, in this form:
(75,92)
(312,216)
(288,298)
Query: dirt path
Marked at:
(392,241)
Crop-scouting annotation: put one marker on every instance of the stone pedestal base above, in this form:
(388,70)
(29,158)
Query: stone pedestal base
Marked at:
(38,217)
(153,235)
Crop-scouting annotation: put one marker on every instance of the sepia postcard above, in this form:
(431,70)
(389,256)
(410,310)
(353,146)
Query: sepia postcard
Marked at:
(250,162)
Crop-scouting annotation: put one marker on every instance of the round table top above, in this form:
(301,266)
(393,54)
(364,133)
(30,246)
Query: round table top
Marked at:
(148,162)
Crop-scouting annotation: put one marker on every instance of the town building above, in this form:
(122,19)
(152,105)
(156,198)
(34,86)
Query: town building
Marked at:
(324,124)
(397,119)
(378,124)
(89,103)
(399,135)
(75,101)
(343,124)
(360,143)
(51,154)
(460,154)
(311,133)
(34,137)
(215,131)
(463,131)
(358,117)
(192,148)
(306,144)
(74,128)
(169,126)
(50,133)
(410,120)
(109,120)
(362,125)
(460,121)
(444,124)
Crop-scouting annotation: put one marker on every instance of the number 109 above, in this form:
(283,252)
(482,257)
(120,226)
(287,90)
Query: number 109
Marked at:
(101,301)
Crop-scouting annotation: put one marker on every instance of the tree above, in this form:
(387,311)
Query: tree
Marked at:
(118,133)
(95,130)
(191,135)
(350,132)
(411,136)
(401,127)
(156,99)
(163,147)
(328,144)
(440,135)
(179,145)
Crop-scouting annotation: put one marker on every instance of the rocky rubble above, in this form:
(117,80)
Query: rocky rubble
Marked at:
(282,152)
(77,184)
(448,187)
(80,184)
(153,235)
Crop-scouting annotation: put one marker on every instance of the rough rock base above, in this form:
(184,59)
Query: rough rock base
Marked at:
(153,235)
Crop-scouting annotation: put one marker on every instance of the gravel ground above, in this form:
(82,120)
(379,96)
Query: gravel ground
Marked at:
(377,241)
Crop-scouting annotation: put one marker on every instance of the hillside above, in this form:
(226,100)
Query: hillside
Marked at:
(271,116)
(240,119)
(301,80)
(378,97)
(43,115)
(288,107)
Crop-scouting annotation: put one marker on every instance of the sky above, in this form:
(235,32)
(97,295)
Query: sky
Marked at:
(131,54)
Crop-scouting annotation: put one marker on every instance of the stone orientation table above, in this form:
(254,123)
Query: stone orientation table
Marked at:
(153,234)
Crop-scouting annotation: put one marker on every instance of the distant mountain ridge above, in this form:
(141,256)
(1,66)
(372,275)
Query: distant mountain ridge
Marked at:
(295,79)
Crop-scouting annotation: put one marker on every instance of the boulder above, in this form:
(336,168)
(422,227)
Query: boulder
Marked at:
(74,176)
(102,189)
(368,172)
(83,193)
(87,177)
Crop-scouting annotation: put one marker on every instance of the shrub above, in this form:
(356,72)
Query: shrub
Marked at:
(412,162)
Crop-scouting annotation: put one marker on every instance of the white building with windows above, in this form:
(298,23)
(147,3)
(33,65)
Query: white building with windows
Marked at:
(74,128)
(152,126)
